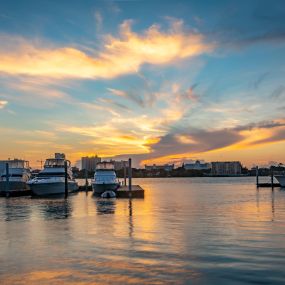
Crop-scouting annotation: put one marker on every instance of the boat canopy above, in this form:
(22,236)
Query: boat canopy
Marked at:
(15,163)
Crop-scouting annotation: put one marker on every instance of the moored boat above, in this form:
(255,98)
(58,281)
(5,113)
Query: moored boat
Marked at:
(281,179)
(51,180)
(105,178)
(18,174)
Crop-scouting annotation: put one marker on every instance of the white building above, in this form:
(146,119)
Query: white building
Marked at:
(166,167)
(226,168)
(197,165)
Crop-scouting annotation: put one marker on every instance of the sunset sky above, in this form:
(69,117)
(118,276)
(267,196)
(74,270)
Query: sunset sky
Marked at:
(158,81)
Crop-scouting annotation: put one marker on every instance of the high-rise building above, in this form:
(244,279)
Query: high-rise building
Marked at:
(226,168)
(89,163)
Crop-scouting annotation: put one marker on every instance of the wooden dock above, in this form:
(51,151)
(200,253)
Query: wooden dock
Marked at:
(136,192)
(123,192)
(15,193)
(270,185)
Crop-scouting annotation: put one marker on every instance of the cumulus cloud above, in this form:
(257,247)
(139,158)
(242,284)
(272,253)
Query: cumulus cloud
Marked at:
(119,55)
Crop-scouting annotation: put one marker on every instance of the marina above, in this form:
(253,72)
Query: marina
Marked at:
(198,230)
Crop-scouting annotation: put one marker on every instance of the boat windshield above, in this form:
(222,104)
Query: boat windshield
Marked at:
(105,166)
(52,162)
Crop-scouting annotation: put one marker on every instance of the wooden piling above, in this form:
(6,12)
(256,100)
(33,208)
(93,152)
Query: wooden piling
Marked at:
(130,177)
(7,177)
(65,180)
(272,178)
(86,180)
(257,182)
(125,174)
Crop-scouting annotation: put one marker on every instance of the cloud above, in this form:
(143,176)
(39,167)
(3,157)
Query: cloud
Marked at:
(99,20)
(3,103)
(276,94)
(119,55)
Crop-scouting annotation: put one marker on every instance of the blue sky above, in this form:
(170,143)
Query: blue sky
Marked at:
(160,81)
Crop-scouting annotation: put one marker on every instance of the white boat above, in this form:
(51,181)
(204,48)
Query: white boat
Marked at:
(281,179)
(19,174)
(51,180)
(105,178)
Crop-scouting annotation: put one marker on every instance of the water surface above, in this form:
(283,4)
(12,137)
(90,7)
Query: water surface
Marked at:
(185,231)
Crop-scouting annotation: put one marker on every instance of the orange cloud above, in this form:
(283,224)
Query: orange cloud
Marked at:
(3,103)
(122,55)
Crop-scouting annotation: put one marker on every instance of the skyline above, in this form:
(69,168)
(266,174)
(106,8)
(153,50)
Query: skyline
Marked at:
(120,79)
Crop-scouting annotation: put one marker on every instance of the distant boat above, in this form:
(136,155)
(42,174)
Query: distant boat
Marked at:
(19,174)
(281,179)
(105,178)
(51,180)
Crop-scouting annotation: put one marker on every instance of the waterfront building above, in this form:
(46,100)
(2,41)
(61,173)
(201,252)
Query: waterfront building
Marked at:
(89,163)
(119,164)
(197,165)
(165,167)
(226,168)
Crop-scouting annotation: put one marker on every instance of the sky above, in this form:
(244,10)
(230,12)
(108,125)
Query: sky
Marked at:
(157,81)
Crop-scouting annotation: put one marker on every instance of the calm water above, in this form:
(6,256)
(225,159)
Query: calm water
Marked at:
(185,231)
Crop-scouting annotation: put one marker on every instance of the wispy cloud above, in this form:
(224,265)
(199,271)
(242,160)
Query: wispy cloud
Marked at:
(119,55)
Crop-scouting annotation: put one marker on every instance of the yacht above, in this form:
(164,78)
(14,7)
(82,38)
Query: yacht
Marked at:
(281,179)
(105,178)
(51,180)
(19,174)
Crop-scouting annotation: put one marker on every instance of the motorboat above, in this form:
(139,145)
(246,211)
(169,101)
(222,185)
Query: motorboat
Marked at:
(18,174)
(51,180)
(105,178)
(281,179)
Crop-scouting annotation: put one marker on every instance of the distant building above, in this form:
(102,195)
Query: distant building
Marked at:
(165,167)
(197,165)
(226,168)
(119,164)
(89,163)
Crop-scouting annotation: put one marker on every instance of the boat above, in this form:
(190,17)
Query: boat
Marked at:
(105,178)
(18,174)
(51,180)
(281,179)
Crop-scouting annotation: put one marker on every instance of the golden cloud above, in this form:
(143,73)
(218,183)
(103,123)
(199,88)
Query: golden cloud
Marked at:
(122,55)
(3,103)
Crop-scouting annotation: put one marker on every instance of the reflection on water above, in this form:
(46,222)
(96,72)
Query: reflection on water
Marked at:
(105,206)
(56,208)
(185,231)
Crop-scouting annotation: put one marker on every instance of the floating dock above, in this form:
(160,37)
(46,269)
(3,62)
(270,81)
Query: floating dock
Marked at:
(15,193)
(123,192)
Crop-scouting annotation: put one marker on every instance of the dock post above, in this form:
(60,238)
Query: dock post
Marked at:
(130,177)
(86,180)
(125,174)
(65,180)
(257,183)
(272,185)
(7,177)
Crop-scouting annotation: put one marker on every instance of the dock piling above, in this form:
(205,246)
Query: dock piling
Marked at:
(7,177)
(130,177)
(125,174)
(257,182)
(65,180)
(272,177)
(86,180)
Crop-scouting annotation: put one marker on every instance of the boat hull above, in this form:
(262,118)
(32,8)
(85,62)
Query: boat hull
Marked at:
(14,185)
(281,180)
(48,189)
(98,189)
